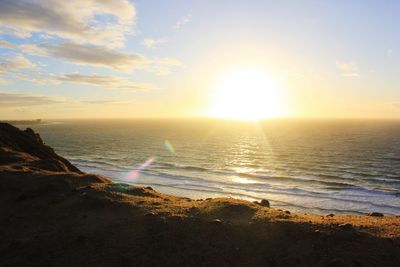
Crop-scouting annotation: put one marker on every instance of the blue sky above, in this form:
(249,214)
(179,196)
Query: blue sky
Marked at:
(161,58)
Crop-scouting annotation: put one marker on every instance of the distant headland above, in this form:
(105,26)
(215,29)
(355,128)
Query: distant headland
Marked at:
(24,122)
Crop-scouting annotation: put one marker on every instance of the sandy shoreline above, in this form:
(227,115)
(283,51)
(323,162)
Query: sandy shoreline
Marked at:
(55,215)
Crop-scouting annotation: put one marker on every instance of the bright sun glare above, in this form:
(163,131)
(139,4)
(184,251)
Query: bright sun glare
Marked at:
(248,94)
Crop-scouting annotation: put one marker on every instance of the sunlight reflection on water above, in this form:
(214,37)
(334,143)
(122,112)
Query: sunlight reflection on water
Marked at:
(310,165)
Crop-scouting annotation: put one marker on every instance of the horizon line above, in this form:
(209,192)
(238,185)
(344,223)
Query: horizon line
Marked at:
(207,118)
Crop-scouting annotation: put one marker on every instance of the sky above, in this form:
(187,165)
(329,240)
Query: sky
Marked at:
(126,59)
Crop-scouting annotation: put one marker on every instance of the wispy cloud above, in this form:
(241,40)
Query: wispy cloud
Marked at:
(105,102)
(396,105)
(80,21)
(162,66)
(16,67)
(5,44)
(106,82)
(95,55)
(98,56)
(3,81)
(347,66)
(23,100)
(152,43)
(16,63)
(149,43)
(85,55)
(351,74)
(182,21)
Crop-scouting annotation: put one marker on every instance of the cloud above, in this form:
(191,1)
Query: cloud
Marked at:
(350,66)
(149,43)
(351,74)
(16,63)
(2,81)
(25,48)
(5,44)
(85,55)
(104,57)
(23,100)
(15,66)
(104,102)
(21,110)
(90,21)
(98,56)
(183,21)
(162,66)
(349,69)
(107,82)
(152,43)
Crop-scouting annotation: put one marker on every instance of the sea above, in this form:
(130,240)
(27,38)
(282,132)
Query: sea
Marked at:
(308,166)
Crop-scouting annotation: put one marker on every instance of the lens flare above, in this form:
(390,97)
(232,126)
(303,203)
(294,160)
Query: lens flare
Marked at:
(135,172)
(168,146)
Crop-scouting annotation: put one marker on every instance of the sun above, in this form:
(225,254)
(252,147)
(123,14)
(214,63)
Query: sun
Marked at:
(247,94)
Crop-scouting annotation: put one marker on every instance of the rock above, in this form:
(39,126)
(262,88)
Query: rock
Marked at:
(150,214)
(287,212)
(194,210)
(34,151)
(216,221)
(149,188)
(282,216)
(330,215)
(264,203)
(34,136)
(376,214)
(346,226)
(175,218)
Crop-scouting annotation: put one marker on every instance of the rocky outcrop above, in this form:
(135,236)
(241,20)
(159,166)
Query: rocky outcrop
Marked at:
(26,150)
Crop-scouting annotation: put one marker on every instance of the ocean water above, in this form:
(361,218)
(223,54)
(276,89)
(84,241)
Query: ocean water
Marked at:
(313,166)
